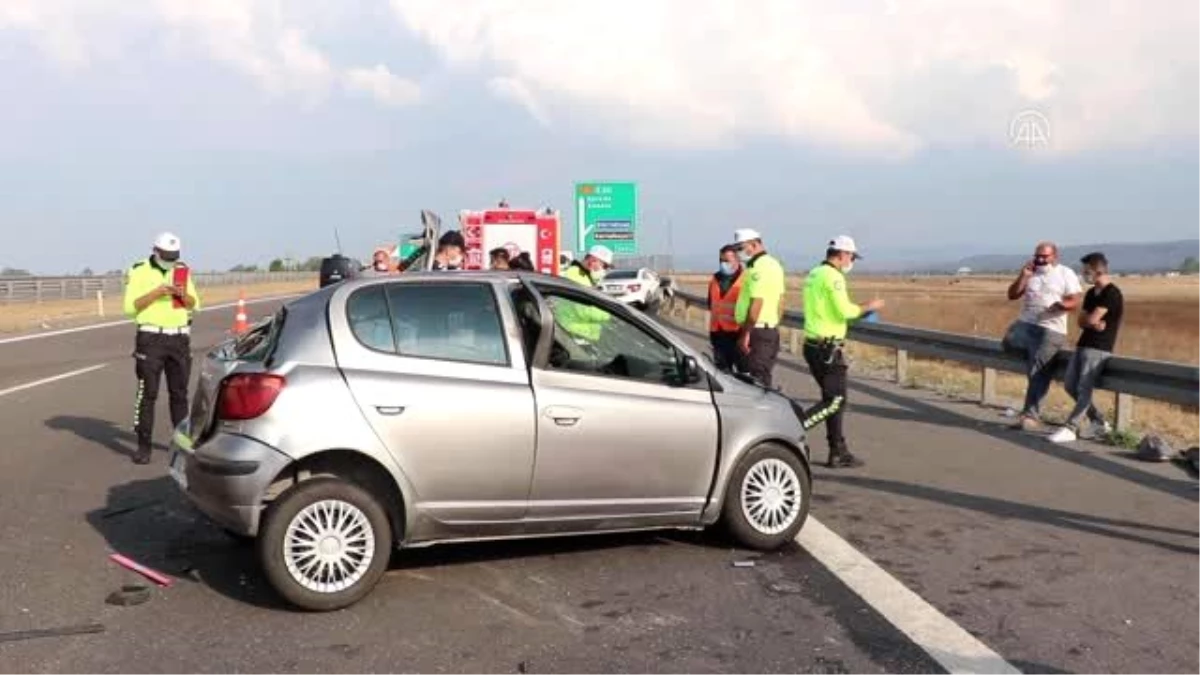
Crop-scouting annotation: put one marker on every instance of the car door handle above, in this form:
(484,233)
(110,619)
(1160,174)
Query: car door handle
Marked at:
(389,409)
(563,416)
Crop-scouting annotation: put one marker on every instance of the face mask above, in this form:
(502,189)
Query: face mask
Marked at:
(849,266)
(598,275)
(728,269)
(454,262)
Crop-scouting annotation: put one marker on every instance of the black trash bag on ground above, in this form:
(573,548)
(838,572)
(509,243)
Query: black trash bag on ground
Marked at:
(1191,459)
(1154,449)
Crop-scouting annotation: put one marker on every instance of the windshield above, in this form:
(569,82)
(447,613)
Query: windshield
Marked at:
(621,275)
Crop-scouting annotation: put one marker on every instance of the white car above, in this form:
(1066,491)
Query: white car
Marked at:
(641,288)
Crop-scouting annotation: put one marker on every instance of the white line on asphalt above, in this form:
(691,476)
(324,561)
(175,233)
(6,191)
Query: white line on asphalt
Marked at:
(48,380)
(949,644)
(110,324)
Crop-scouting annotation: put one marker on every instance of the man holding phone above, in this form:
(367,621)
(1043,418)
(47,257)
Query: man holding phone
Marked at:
(1048,292)
(160,297)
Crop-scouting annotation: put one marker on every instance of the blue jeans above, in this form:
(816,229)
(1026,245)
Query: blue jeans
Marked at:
(1039,347)
(1086,366)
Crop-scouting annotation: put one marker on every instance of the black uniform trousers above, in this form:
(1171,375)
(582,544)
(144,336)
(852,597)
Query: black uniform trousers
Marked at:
(827,363)
(725,351)
(764,350)
(154,355)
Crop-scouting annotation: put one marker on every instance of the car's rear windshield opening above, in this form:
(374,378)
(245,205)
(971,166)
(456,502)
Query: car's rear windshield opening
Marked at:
(256,344)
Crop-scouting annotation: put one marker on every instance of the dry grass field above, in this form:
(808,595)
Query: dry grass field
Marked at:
(1162,321)
(31,316)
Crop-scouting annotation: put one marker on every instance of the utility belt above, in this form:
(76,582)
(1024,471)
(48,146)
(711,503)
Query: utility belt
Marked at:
(762,325)
(831,350)
(159,330)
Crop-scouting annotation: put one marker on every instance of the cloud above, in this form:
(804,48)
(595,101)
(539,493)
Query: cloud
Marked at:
(380,83)
(886,77)
(267,41)
(515,90)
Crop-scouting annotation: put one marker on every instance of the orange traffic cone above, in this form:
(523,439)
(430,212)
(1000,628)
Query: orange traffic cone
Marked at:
(240,322)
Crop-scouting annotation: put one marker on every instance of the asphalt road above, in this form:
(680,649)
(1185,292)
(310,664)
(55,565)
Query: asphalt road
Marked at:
(1060,560)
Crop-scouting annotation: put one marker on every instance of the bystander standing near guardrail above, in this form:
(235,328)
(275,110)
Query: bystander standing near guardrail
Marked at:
(1127,377)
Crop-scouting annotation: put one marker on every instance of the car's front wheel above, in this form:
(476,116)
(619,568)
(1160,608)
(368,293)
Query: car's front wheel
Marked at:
(324,544)
(767,499)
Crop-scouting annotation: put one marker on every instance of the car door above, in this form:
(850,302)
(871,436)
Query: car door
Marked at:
(437,370)
(620,442)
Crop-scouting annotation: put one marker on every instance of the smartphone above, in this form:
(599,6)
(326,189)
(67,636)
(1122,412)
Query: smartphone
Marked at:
(179,278)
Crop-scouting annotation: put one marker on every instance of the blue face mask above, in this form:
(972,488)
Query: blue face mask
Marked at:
(728,269)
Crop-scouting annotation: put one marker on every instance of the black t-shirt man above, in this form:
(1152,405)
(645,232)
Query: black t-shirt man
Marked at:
(1110,298)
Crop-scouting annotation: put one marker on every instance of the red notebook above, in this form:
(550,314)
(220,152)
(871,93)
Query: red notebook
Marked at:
(180,278)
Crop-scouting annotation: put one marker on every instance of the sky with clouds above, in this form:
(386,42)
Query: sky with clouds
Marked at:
(254,128)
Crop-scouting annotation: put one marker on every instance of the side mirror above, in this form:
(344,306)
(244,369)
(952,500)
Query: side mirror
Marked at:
(691,370)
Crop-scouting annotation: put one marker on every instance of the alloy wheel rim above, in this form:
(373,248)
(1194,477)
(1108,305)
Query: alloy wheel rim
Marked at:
(328,546)
(771,496)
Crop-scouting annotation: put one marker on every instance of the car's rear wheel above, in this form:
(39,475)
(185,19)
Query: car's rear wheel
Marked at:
(325,543)
(767,499)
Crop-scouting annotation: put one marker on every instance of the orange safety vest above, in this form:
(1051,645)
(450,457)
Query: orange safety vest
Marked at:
(721,307)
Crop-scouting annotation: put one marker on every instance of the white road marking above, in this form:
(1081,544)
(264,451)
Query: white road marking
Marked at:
(949,644)
(110,324)
(48,380)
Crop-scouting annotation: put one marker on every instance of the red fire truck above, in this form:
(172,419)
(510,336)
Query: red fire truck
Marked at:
(518,230)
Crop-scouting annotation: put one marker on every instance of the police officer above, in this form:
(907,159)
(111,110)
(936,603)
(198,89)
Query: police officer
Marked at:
(162,311)
(758,306)
(723,291)
(591,270)
(827,313)
(585,322)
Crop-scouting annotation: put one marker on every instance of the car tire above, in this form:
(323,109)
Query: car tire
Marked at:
(767,498)
(361,549)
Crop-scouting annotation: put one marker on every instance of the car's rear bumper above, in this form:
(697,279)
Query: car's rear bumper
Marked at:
(630,298)
(227,477)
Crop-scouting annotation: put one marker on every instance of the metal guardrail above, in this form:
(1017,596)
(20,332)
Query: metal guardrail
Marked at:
(40,289)
(1158,380)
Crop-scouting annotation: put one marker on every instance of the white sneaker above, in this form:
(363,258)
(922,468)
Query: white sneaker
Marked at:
(1104,430)
(1064,435)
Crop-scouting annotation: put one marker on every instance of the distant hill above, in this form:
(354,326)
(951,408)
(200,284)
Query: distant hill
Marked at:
(1149,257)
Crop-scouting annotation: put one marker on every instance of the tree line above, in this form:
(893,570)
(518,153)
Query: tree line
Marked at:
(312,264)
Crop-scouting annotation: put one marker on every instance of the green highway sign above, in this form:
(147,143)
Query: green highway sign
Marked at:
(606,213)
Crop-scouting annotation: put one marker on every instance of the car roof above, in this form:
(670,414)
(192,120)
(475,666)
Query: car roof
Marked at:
(463,276)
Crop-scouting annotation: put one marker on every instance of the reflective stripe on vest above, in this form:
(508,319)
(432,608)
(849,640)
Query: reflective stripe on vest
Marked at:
(722,307)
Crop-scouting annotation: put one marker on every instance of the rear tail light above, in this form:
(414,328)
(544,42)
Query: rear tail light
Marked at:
(634,288)
(249,395)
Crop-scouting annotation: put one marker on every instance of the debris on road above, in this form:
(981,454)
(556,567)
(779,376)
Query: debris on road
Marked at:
(152,575)
(1154,449)
(743,563)
(62,631)
(129,596)
(1190,459)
